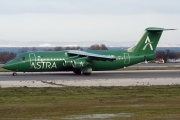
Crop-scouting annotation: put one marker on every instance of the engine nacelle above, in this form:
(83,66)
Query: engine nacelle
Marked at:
(79,64)
(68,62)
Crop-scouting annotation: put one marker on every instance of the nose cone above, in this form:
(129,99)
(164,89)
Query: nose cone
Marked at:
(9,66)
(6,66)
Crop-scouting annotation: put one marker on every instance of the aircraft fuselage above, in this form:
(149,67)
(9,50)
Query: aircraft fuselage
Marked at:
(91,60)
(53,61)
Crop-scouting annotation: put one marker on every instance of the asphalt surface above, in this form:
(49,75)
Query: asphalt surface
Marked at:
(101,78)
(149,65)
(95,75)
(157,65)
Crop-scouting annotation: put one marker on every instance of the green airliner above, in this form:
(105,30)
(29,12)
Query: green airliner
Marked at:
(84,62)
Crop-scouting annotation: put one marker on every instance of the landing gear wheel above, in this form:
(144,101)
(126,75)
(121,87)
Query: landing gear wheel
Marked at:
(87,73)
(77,71)
(14,74)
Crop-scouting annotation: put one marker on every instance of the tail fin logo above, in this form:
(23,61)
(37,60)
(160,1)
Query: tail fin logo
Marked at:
(148,43)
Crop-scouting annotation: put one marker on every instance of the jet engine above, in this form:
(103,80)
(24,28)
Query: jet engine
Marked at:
(68,62)
(80,63)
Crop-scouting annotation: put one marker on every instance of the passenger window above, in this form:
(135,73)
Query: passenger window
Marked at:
(40,57)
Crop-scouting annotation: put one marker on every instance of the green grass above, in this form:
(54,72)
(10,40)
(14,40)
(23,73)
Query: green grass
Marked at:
(143,102)
(3,70)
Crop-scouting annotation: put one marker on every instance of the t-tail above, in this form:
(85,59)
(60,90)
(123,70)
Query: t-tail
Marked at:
(148,42)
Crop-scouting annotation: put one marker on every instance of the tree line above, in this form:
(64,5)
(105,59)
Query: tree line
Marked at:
(167,54)
(7,56)
(59,48)
(160,54)
(92,47)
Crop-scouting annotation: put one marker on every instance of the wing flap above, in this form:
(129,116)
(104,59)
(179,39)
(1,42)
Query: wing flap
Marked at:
(91,55)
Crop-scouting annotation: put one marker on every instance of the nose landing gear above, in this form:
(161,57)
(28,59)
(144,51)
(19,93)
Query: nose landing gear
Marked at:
(14,74)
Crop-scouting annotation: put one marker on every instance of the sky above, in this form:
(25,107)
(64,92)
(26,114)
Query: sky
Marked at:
(87,20)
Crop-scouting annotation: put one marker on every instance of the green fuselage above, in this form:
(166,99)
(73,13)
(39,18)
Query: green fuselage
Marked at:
(53,61)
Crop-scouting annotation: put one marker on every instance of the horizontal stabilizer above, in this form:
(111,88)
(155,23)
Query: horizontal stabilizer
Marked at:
(157,29)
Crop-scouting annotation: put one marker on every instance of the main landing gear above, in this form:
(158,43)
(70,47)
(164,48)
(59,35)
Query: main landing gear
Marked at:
(14,74)
(77,71)
(85,71)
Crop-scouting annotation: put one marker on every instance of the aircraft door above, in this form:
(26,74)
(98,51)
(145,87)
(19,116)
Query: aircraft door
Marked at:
(126,58)
(32,58)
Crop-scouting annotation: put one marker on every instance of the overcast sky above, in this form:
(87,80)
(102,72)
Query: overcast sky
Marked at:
(87,20)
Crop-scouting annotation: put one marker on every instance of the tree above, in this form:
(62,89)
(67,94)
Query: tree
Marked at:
(167,54)
(103,47)
(94,47)
(73,48)
(6,56)
(34,49)
(47,49)
(98,47)
(174,55)
(58,48)
(160,54)
(23,50)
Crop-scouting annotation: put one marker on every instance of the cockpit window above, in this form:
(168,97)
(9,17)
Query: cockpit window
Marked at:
(17,58)
(20,58)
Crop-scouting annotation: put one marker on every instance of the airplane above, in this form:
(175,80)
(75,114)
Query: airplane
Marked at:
(84,62)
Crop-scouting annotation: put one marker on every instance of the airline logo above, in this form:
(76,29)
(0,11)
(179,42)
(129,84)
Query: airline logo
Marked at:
(34,63)
(148,43)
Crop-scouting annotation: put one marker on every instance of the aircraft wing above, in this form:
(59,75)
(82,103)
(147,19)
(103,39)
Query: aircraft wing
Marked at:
(91,55)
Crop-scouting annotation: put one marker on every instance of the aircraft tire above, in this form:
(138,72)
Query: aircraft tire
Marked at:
(77,71)
(87,73)
(14,74)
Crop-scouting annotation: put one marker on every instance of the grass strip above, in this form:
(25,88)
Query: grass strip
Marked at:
(141,102)
(4,70)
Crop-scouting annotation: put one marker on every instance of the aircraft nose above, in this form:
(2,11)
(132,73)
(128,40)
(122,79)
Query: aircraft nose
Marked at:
(8,66)
(5,66)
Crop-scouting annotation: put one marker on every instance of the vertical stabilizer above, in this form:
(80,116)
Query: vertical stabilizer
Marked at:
(148,42)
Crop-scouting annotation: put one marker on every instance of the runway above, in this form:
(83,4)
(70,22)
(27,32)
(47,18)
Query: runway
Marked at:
(138,74)
(101,78)
(156,65)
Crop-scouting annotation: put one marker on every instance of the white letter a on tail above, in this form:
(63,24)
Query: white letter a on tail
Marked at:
(148,42)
